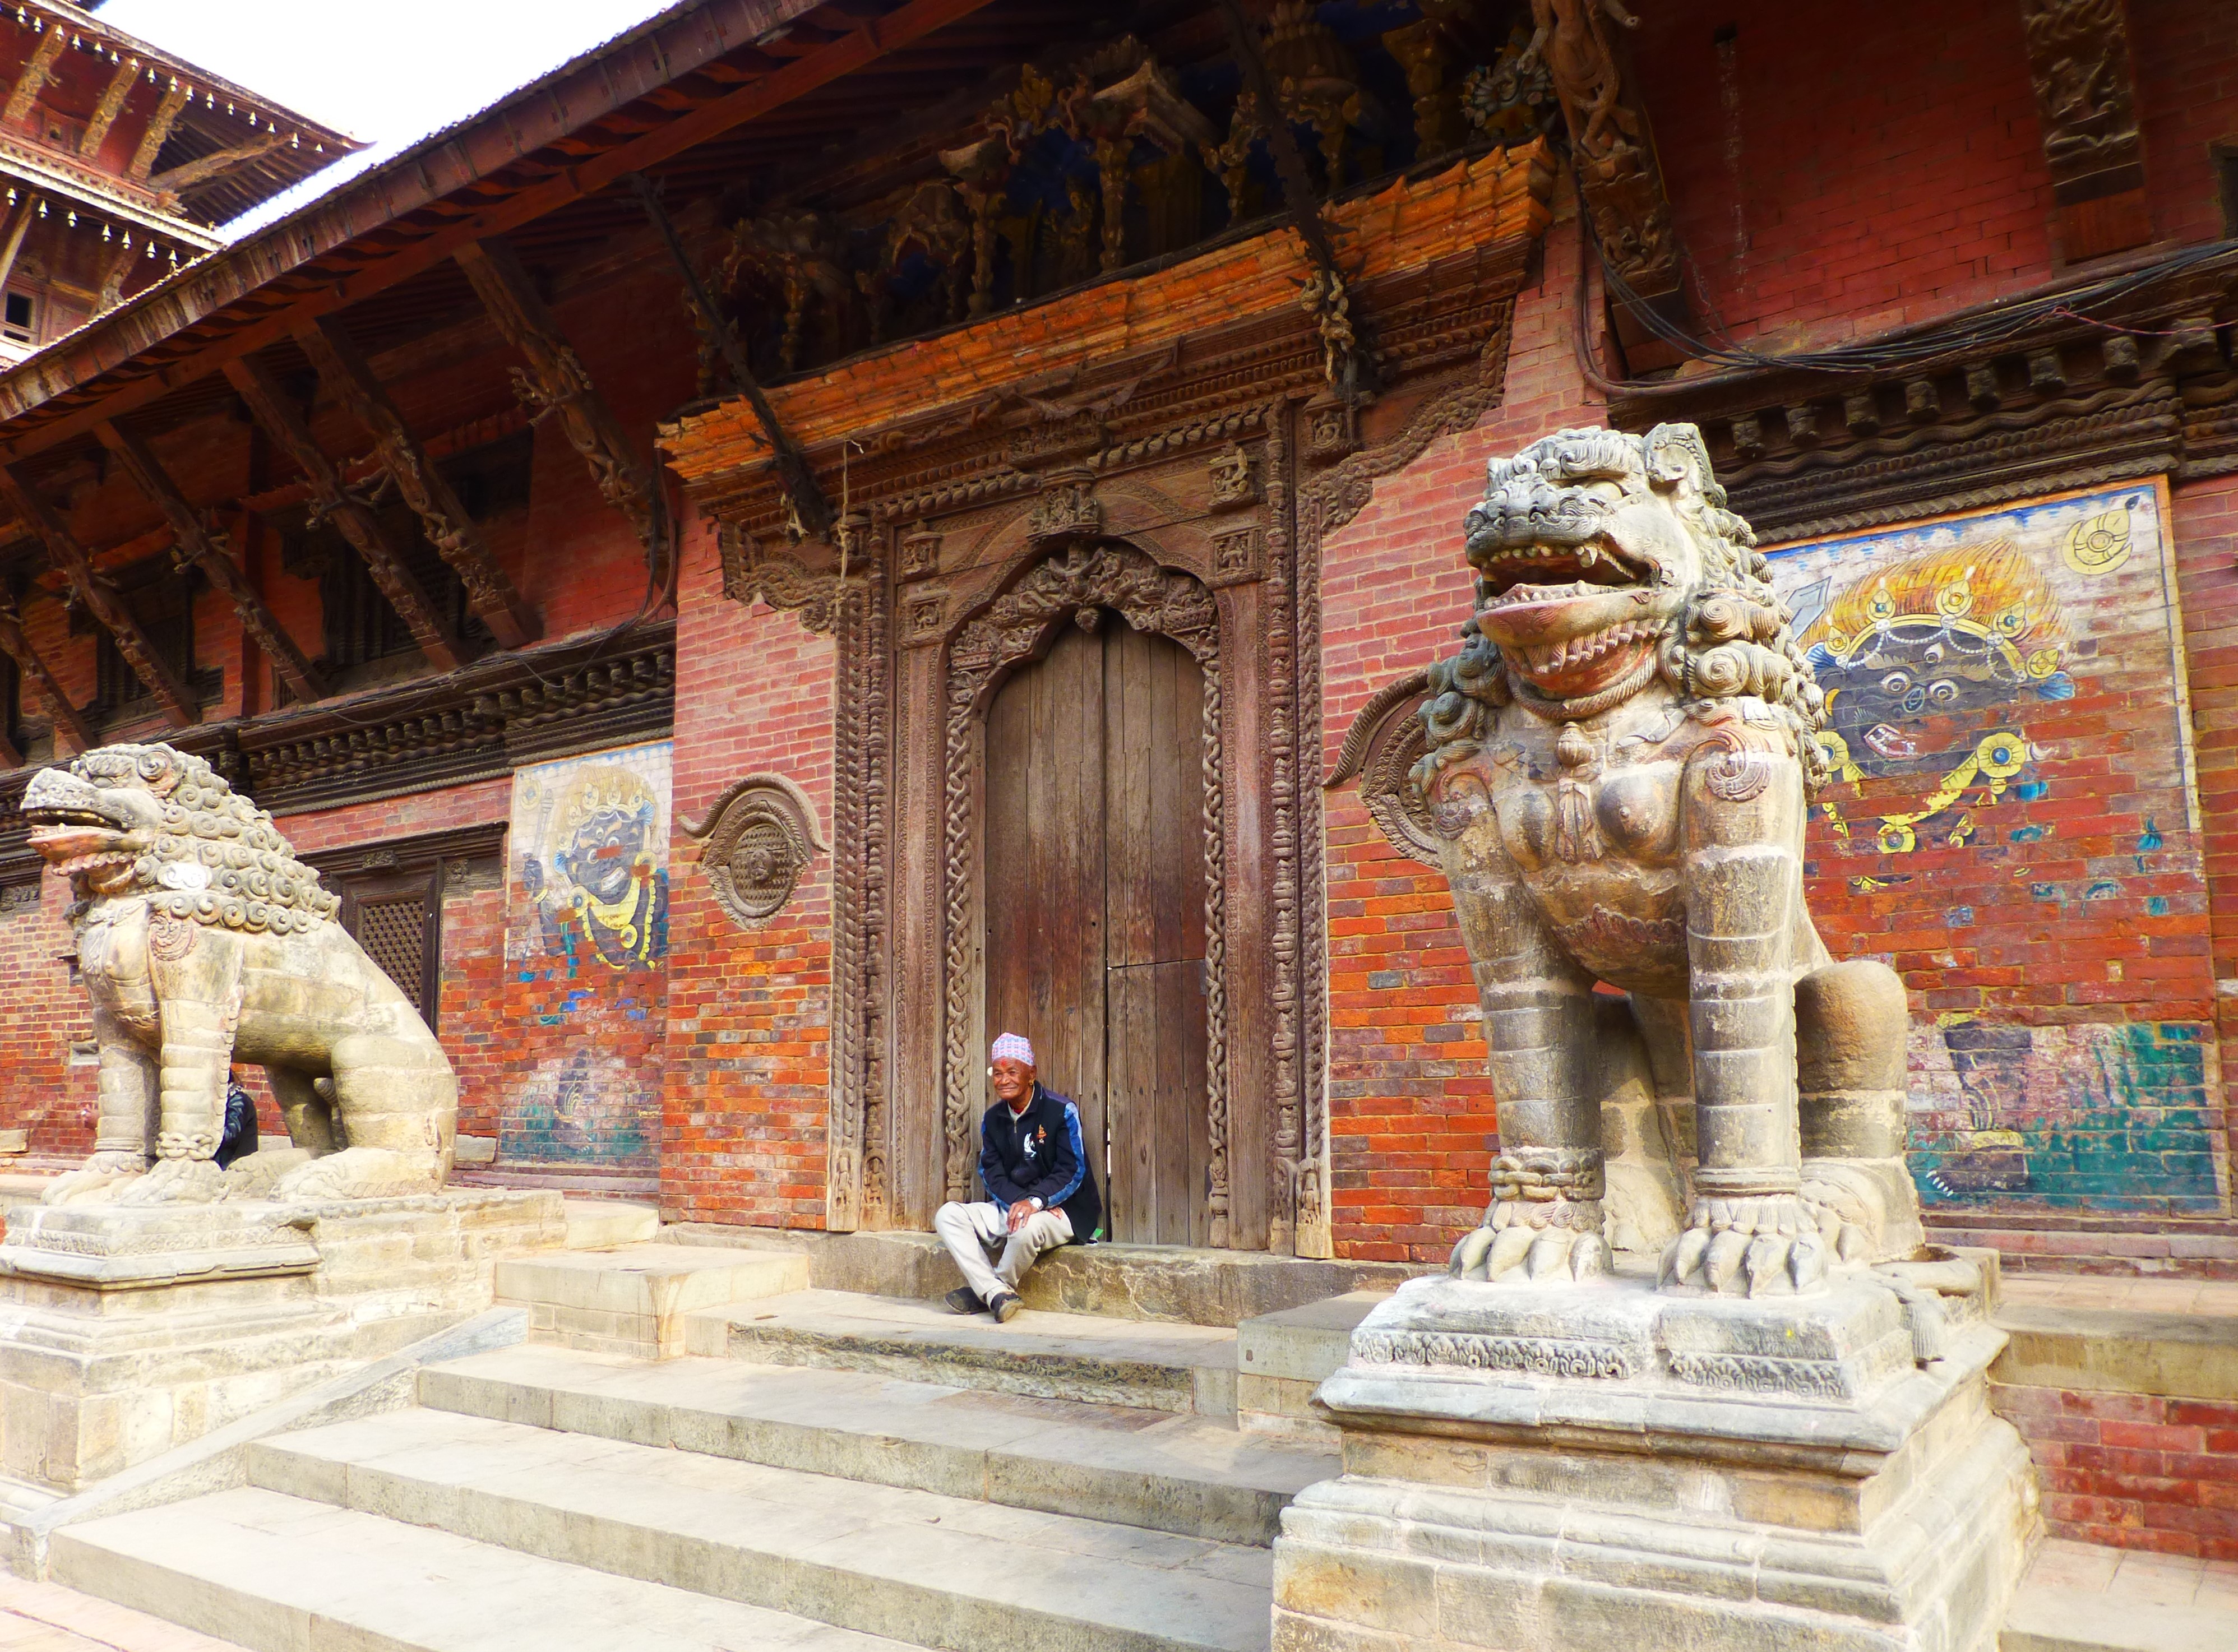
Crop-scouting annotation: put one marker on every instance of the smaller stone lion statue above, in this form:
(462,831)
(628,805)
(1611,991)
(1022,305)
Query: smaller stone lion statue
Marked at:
(1620,763)
(202,940)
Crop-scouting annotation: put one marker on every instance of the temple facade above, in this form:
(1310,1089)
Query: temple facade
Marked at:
(805,538)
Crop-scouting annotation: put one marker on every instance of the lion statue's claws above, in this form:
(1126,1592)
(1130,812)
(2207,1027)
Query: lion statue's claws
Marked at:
(1752,1248)
(94,1178)
(1521,1252)
(176,1181)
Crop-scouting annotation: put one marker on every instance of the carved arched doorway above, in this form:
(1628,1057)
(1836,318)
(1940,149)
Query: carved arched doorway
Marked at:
(1094,865)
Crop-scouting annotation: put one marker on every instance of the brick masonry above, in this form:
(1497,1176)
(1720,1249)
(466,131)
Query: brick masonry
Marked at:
(2132,1470)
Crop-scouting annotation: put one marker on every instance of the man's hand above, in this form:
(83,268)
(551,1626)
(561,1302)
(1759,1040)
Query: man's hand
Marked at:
(1024,1212)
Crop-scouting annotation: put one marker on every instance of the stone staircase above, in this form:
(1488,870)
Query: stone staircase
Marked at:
(823,1470)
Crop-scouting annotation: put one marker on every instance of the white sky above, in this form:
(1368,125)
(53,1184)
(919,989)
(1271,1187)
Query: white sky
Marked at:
(390,72)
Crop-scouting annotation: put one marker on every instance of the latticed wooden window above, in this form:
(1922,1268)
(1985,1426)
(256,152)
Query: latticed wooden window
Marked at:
(397,918)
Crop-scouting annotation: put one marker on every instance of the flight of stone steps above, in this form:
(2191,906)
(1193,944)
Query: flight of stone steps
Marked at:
(836,1470)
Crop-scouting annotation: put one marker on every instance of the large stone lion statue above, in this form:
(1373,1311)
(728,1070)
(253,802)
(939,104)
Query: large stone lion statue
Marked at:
(203,940)
(1619,765)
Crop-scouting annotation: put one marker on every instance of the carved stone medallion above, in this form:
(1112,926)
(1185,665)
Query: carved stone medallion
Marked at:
(759,834)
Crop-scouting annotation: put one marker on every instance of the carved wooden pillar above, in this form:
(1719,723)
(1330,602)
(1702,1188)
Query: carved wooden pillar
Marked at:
(194,544)
(277,416)
(2086,97)
(556,380)
(153,672)
(453,532)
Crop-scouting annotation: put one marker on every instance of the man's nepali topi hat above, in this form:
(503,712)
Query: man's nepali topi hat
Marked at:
(1010,1047)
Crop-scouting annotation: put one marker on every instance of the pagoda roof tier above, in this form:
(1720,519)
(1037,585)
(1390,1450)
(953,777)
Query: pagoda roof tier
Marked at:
(61,179)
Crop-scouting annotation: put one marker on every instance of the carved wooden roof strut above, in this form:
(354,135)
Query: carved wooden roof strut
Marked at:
(196,545)
(793,468)
(100,599)
(18,648)
(33,77)
(270,405)
(350,379)
(2086,98)
(556,381)
(168,110)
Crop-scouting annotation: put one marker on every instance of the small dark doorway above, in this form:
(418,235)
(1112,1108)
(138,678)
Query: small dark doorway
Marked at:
(1095,881)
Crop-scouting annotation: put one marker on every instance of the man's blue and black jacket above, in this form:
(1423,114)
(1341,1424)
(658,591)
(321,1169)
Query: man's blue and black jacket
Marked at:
(1039,1154)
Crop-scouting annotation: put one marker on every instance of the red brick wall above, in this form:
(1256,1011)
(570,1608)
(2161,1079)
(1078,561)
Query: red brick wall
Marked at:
(2132,1470)
(1410,1104)
(749,1028)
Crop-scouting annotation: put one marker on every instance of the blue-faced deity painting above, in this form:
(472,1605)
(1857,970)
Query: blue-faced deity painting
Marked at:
(2012,822)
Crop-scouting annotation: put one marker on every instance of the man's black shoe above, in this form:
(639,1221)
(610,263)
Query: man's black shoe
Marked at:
(1005,1307)
(964,1299)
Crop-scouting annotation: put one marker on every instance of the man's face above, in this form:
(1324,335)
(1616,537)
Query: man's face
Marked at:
(1014,1080)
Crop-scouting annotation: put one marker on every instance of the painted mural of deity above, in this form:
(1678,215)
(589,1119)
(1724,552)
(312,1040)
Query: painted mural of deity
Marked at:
(597,868)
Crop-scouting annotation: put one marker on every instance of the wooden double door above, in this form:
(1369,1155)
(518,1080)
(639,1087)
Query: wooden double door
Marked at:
(1095,881)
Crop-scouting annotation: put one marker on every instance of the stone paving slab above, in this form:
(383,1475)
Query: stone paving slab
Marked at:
(1160,1364)
(2079,1597)
(47,1617)
(1166,1471)
(936,1570)
(283,1574)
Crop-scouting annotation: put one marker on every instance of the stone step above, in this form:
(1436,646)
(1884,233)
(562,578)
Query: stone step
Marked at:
(941,1571)
(1152,1365)
(1194,1476)
(278,1574)
(634,1300)
(605,1223)
(2080,1597)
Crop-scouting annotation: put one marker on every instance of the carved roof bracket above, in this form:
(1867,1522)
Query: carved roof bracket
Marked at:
(194,544)
(2086,97)
(346,375)
(808,506)
(18,648)
(100,599)
(272,408)
(556,382)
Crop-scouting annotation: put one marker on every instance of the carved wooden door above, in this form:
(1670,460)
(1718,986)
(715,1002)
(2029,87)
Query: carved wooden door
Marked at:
(1095,898)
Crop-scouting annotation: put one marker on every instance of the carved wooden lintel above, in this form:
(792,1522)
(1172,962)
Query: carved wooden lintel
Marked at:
(276,411)
(2086,99)
(100,599)
(343,370)
(195,544)
(556,381)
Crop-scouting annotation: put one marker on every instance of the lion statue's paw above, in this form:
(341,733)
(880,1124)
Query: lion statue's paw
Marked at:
(176,1181)
(1512,1248)
(92,1179)
(1772,1244)
(358,1173)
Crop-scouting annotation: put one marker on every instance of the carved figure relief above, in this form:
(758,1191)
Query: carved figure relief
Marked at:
(1615,154)
(201,939)
(760,835)
(1636,727)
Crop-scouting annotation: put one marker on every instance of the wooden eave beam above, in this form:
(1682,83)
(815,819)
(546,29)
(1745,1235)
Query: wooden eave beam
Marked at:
(796,79)
(153,672)
(271,407)
(196,545)
(18,648)
(349,378)
(559,382)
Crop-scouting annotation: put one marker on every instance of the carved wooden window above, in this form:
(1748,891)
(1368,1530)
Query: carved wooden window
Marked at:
(397,918)
(19,318)
(163,604)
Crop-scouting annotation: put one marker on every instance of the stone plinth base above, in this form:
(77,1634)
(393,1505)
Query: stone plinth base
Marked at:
(1560,1468)
(126,1330)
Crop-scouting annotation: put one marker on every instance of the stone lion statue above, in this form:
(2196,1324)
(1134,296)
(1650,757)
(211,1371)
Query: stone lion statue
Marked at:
(203,940)
(1620,763)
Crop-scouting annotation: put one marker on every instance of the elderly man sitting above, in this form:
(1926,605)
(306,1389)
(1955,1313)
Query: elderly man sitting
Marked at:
(1040,1191)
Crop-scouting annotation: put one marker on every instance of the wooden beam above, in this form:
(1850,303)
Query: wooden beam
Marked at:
(272,409)
(190,173)
(557,379)
(196,545)
(18,648)
(119,86)
(153,672)
(33,80)
(169,108)
(797,79)
(350,380)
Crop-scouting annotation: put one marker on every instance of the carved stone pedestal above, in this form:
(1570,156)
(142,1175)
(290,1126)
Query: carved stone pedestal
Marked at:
(125,1331)
(1536,1468)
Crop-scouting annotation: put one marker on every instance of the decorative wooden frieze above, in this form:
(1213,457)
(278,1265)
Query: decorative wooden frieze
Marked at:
(1069,508)
(1332,429)
(1237,554)
(924,616)
(1233,478)
(349,378)
(753,573)
(760,835)
(98,598)
(2086,99)
(276,411)
(917,552)
(194,544)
